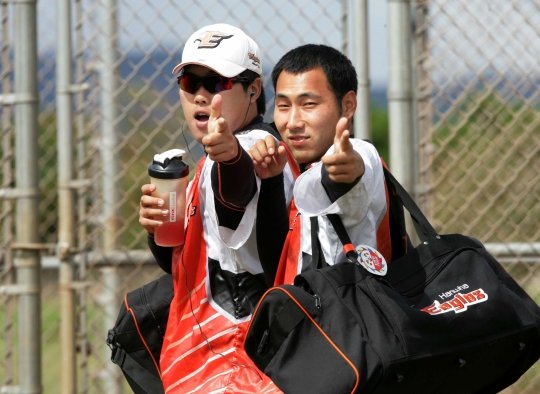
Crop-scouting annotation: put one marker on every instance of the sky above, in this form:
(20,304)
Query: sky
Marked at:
(378,42)
(462,30)
(142,20)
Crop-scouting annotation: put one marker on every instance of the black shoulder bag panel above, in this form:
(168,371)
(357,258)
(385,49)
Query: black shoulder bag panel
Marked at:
(137,337)
(446,319)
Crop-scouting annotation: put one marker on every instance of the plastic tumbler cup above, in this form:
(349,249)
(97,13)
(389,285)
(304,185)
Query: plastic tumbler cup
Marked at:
(169,173)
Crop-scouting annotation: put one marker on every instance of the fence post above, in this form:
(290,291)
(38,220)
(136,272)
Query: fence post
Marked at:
(110,190)
(7,213)
(400,93)
(66,227)
(108,78)
(359,52)
(26,258)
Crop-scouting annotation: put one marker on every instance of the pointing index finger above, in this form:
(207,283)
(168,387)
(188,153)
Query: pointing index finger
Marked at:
(215,111)
(342,140)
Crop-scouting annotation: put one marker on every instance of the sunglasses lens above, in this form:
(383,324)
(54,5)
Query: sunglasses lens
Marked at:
(213,84)
(186,83)
(223,84)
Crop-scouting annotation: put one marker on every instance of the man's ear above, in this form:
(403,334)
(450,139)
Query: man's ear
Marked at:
(255,90)
(348,104)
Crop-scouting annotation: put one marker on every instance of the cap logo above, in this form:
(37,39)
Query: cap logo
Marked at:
(211,39)
(254,59)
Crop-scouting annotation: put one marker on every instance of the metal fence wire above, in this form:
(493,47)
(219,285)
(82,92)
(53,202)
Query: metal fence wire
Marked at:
(477,150)
(477,74)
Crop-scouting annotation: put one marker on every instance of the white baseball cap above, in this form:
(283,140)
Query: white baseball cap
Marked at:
(224,48)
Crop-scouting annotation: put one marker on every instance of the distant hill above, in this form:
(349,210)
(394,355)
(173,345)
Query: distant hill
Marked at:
(379,97)
(149,64)
(156,67)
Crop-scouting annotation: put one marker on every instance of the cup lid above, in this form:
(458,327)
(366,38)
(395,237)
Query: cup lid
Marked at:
(168,165)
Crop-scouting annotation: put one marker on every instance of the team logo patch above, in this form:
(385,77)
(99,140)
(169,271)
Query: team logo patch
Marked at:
(211,39)
(459,303)
(371,260)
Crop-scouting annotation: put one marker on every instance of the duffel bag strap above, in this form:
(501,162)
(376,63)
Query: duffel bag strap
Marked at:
(423,227)
(349,249)
(316,252)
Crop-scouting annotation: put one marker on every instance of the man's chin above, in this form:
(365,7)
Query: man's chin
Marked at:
(302,157)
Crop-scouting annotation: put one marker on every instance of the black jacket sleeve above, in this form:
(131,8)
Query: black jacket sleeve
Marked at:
(234,185)
(162,254)
(272,225)
(335,190)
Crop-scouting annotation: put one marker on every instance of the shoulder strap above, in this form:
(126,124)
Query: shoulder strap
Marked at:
(317,257)
(422,225)
(392,239)
(348,248)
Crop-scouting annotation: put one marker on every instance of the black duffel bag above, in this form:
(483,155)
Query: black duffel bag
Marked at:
(137,336)
(446,319)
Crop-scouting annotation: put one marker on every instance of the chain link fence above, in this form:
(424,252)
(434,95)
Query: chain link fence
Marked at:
(478,146)
(479,163)
(125,108)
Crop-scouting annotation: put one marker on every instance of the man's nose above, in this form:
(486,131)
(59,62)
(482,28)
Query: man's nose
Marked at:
(294,121)
(201,96)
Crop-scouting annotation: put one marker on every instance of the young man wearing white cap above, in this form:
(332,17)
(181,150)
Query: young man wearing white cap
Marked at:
(217,274)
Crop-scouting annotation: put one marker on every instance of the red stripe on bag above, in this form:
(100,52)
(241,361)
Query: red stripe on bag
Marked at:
(128,308)
(336,348)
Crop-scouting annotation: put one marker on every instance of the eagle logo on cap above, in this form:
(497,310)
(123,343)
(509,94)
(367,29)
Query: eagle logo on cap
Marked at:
(211,39)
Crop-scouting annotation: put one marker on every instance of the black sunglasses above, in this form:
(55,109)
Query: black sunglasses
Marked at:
(212,83)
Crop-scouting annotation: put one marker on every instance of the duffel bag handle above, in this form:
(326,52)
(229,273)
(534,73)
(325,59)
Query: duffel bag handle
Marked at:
(422,225)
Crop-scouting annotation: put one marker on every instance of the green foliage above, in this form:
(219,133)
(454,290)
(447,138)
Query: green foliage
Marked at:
(484,162)
(379,130)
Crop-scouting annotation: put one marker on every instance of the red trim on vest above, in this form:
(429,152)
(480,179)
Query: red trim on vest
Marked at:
(288,262)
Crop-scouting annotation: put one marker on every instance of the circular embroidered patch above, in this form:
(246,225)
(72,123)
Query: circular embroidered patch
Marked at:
(371,260)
